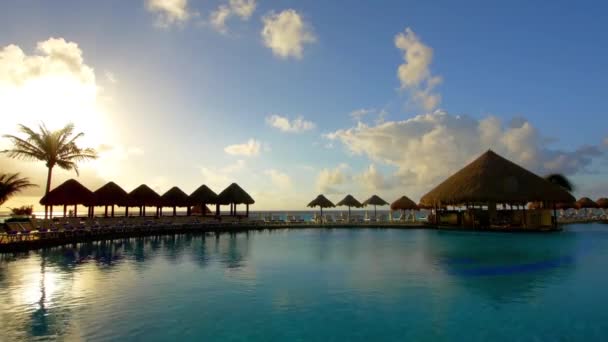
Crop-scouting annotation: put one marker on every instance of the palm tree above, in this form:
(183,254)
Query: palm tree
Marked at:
(11,184)
(55,148)
(561,180)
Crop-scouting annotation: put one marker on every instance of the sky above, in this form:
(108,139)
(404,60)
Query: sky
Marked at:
(295,98)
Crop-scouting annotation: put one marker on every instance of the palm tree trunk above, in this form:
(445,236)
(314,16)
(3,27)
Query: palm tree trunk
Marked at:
(48,180)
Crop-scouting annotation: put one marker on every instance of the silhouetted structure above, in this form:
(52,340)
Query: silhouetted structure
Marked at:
(111,195)
(602,203)
(404,203)
(349,201)
(375,201)
(203,196)
(321,202)
(233,195)
(143,197)
(70,192)
(174,198)
(586,203)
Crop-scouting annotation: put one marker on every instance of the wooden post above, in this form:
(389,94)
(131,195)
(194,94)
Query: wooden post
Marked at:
(51,212)
(127,211)
(65,211)
(217,210)
(174,211)
(554,215)
(75,210)
(247,210)
(112,210)
(46,212)
(105,214)
(235,210)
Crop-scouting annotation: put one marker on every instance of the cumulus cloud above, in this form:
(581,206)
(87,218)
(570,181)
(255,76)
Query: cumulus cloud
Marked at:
(286,33)
(170,12)
(283,123)
(330,181)
(415,74)
(427,148)
(241,8)
(372,179)
(279,179)
(251,148)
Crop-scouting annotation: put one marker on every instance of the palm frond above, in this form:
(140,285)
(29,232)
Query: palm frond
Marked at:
(11,184)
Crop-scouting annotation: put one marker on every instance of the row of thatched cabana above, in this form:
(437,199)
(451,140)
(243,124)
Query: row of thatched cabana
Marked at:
(402,203)
(72,193)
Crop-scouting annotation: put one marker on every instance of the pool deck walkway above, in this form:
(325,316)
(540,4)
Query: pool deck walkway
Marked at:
(36,240)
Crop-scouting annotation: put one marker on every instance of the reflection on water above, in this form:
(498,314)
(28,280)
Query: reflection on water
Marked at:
(311,284)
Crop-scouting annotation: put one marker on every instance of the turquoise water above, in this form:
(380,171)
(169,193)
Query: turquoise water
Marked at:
(313,285)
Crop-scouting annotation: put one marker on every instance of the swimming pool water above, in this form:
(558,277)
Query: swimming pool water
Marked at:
(313,285)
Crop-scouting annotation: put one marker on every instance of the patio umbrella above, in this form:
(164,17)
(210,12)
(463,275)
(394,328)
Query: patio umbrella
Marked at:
(350,201)
(403,203)
(321,202)
(375,200)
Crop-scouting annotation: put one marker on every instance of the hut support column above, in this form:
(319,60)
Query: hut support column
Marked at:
(247,210)
(174,211)
(51,212)
(217,210)
(112,210)
(105,214)
(75,210)
(46,212)
(65,211)
(554,215)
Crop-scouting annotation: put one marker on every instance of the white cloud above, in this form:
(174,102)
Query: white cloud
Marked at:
(219,178)
(414,73)
(296,125)
(330,181)
(241,8)
(372,179)
(218,18)
(279,179)
(251,148)
(286,33)
(427,148)
(170,12)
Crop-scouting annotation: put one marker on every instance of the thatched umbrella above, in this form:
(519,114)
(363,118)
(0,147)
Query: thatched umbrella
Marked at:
(403,203)
(494,179)
(321,202)
(70,192)
(204,196)
(375,201)
(602,203)
(143,197)
(111,195)
(175,197)
(586,203)
(233,195)
(349,201)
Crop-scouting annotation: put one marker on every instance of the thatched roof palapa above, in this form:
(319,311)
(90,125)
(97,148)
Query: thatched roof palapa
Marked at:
(70,192)
(234,194)
(175,197)
(404,203)
(375,200)
(203,195)
(144,196)
(602,203)
(585,202)
(492,178)
(111,194)
(350,201)
(321,201)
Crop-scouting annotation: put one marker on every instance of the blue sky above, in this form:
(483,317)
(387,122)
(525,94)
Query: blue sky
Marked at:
(523,78)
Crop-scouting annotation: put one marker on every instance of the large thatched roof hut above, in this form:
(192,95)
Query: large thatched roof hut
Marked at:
(349,201)
(492,178)
(404,203)
(70,192)
(143,197)
(110,195)
(321,202)
(234,195)
(201,197)
(174,198)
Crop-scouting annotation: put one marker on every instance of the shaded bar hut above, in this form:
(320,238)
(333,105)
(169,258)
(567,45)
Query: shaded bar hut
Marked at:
(586,203)
(111,195)
(349,201)
(203,196)
(174,198)
(375,201)
(143,197)
(70,192)
(602,203)
(233,195)
(490,180)
(321,202)
(404,203)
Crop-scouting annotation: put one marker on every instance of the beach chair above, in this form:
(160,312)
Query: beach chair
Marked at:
(329,219)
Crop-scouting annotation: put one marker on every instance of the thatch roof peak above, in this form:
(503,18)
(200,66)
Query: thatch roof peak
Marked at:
(586,202)
(492,178)
(175,197)
(602,203)
(70,192)
(144,196)
(203,195)
(404,203)
(111,194)
(375,200)
(234,194)
(321,201)
(349,201)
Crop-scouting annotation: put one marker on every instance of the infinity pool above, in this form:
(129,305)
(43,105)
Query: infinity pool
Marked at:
(313,285)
